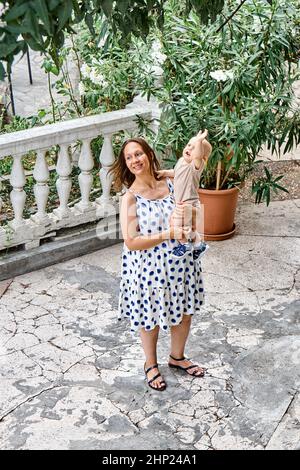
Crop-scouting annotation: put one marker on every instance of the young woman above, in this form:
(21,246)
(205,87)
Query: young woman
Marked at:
(157,292)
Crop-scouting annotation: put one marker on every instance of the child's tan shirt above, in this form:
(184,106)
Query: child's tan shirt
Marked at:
(186,181)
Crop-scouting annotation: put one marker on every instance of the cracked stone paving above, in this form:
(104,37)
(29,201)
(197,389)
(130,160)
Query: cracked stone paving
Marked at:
(72,376)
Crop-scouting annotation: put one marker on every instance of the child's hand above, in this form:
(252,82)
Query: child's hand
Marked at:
(202,135)
(161,173)
(205,147)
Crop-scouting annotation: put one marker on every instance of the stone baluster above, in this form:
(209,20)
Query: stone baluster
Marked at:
(41,188)
(17,195)
(107,158)
(64,182)
(86,164)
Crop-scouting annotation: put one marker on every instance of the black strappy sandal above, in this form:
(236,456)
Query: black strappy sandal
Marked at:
(163,383)
(195,374)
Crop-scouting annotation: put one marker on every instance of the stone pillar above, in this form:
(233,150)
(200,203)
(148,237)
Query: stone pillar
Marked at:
(86,164)
(41,188)
(64,182)
(107,158)
(17,195)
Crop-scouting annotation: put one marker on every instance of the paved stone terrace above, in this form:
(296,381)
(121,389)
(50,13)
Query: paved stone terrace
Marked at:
(72,376)
(30,98)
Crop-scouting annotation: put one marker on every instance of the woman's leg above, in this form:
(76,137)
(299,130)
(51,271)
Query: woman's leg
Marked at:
(149,343)
(179,335)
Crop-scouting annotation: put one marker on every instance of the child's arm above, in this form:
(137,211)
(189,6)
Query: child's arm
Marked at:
(202,149)
(166,173)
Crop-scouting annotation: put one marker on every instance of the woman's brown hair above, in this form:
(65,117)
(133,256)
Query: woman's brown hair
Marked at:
(122,175)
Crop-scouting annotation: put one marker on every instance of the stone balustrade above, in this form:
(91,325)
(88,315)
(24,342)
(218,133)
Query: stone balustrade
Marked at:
(29,232)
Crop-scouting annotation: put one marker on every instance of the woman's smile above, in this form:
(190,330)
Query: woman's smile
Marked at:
(138,166)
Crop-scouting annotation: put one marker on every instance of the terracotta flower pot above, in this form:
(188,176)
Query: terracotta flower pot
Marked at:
(219,212)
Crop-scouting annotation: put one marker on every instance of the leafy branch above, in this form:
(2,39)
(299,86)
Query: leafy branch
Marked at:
(43,24)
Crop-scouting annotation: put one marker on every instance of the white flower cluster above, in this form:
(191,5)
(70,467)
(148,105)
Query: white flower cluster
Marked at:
(191,97)
(97,62)
(93,74)
(221,75)
(85,70)
(102,42)
(4,6)
(257,27)
(97,78)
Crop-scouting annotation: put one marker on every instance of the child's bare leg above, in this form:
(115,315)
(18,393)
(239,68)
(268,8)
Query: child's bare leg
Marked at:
(182,217)
(177,221)
(199,246)
(197,225)
(188,220)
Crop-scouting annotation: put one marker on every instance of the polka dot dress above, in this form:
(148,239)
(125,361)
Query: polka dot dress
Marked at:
(156,289)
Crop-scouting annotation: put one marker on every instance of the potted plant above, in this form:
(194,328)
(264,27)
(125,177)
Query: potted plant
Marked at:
(236,81)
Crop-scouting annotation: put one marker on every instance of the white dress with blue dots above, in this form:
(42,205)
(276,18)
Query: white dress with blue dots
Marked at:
(155,288)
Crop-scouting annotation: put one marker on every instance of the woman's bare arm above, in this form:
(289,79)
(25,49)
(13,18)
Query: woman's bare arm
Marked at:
(129,225)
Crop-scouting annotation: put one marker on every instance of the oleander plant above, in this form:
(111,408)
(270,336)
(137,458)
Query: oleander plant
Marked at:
(237,81)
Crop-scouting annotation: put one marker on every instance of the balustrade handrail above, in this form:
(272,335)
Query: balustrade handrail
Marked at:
(64,132)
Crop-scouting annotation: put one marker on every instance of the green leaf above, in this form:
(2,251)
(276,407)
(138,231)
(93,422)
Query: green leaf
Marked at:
(279,177)
(41,113)
(267,172)
(17,28)
(90,23)
(34,45)
(64,14)
(290,142)
(8,48)
(122,6)
(52,4)
(2,72)
(59,40)
(15,12)
(281,187)
(268,196)
(40,7)
(32,22)
(106,6)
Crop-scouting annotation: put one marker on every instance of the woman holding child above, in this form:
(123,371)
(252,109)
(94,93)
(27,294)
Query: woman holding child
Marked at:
(161,285)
